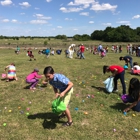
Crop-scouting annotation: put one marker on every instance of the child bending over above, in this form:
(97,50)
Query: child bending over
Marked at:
(63,88)
(33,78)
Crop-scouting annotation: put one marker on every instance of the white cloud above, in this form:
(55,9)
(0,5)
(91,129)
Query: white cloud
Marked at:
(96,6)
(136,16)
(38,22)
(86,3)
(106,24)
(25,4)
(42,17)
(91,22)
(60,27)
(36,8)
(48,0)
(75,29)
(22,13)
(6,2)
(101,7)
(68,10)
(124,22)
(14,21)
(84,14)
(5,20)
(68,19)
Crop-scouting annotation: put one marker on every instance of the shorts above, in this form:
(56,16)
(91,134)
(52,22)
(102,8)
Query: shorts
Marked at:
(68,96)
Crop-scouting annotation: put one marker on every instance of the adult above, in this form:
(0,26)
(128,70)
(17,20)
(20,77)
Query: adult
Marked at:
(82,50)
(11,72)
(127,59)
(118,72)
(71,50)
(100,47)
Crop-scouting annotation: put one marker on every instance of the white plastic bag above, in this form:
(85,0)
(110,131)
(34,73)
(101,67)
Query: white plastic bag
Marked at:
(109,84)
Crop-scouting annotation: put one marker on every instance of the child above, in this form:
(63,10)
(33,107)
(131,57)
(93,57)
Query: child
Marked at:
(127,59)
(136,68)
(63,88)
(118,73)
(11,72)
(33,78)
(134,95)
(103,53)
(30,54)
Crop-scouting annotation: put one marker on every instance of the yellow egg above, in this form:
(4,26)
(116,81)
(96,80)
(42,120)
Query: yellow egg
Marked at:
(10,110)
(133,115)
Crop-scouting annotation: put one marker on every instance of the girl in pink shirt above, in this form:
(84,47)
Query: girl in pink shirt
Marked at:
(33,78)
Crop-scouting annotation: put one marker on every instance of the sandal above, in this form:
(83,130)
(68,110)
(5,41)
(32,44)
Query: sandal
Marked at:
(67,123)
(61,116)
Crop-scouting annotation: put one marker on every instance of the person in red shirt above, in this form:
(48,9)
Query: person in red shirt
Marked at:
(118,72)
(82,49)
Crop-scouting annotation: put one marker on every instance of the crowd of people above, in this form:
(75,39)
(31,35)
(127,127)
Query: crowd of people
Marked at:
(63,87)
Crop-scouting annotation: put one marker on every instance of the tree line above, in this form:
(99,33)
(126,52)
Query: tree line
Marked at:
(122,33)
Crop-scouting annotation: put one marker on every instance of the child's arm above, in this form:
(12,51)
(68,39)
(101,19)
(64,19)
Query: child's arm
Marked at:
(132,105)
(6,67)
(56,92)
(70,85)
(114,72)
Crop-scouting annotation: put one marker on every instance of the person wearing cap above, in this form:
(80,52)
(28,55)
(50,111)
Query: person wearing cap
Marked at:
(118,72)
(33,78)
(11,72)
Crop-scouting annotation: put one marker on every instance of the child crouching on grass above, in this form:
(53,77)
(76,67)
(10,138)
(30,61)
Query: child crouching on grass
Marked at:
(33,78)
(133,95)
(63,88)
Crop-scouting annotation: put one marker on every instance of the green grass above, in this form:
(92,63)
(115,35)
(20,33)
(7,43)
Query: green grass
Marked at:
(104,110)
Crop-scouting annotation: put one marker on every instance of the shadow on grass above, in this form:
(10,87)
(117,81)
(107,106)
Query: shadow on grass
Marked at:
(101,89)
(28,86)
(50,119)
(119,106)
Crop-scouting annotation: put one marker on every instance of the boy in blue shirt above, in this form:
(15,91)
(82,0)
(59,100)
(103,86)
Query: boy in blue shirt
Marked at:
(63,88)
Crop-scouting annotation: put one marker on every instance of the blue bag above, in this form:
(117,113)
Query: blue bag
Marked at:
(109,84)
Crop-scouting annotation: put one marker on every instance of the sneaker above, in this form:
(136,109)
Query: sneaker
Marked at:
(67,123)
(115,90)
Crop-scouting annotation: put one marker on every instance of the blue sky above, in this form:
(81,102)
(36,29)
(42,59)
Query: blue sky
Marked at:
(65,17)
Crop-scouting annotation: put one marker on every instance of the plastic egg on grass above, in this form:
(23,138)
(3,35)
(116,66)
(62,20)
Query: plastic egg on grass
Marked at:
(85,113)
(27,114)
(4,124)
(133,115)
(10,111)
(28,109)
(19,107)
(114,130)
(30,102)
(136,130)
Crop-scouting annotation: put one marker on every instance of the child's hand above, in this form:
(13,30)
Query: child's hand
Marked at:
(62,94)
(57,94)
(126,110)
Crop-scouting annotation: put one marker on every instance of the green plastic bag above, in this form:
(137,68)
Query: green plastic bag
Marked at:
(58,106)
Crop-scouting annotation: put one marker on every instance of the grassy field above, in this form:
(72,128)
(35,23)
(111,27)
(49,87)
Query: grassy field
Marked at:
(56,43)
(104,111)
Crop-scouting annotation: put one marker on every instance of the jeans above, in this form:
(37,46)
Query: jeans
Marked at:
(131,63)
(33,82)
(82,56)
(121,77)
